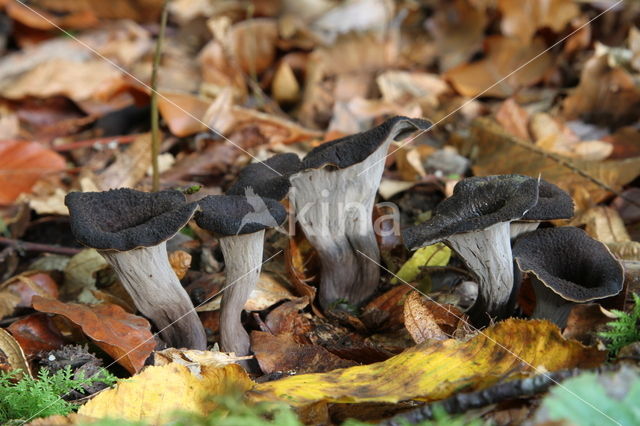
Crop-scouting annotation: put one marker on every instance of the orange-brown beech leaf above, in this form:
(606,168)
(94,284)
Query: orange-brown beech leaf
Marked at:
(584,323)
(180,262)
(497,152)
(253,43)
(385,312)
(435,370)
(504,56)
(458,29)
(22,164)
(606,95)
(36,333)
(626,143)
(514,119)
(29,284)
(125,337)
(427,320)
(287,318)
(523,18)
(283,353)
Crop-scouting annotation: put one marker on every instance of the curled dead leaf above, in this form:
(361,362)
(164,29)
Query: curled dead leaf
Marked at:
(12,356)
(180,262)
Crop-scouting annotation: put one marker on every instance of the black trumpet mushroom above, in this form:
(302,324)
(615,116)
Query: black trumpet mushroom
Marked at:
(475,223)
(566,266)
(239,222)
(333,195)
(130,229)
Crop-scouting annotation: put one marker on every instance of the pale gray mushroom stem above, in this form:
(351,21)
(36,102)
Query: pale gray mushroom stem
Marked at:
(487,254)
(147,276)
(337,222)
(242,275)
(519,228)
(333,196)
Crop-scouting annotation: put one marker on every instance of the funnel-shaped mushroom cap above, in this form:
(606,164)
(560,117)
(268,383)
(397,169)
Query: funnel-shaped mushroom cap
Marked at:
(476,203)
(269,178)
(234,214)
(570,263)
(344,152)
(125,219)
(553,203)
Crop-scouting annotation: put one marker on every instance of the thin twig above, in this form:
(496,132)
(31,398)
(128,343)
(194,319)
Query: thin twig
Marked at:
(155,120)
(47,248)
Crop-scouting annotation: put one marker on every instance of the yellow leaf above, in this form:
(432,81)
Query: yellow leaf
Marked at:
(158,391)
(433,371)
(434,255)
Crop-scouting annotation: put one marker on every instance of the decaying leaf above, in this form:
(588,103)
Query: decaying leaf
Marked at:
(524,17)
(80,275)
(130,166)
(125,337)
(514,119)
(11,355)
(496,153)
(194,360)
(428,320)
(283,353)
(36,333)
(433,371)
(158,391)
(180,262)
(494,75)
(22,164)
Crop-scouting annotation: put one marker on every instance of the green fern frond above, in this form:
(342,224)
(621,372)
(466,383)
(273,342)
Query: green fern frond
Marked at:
(624,330)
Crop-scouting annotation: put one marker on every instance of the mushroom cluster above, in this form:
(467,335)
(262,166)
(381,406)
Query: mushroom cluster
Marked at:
(486,216)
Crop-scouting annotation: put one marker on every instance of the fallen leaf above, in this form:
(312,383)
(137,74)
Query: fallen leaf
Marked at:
(403,86)
(514,119)
(494,75)
(387,310)
(79,81)
(434,255)
(253,44)
(79,275)
(36,333)
(603,223)
(523,18)
(129,167)
(433,371)
(285,87)
(157,392)
(194,360)
(287,318)
(180,262)
(283,353)
(22,164)
(29,284)
(427,320)
(496,153)
(584,322)
(458,29)
(125,337)
(606,95)
(11,355)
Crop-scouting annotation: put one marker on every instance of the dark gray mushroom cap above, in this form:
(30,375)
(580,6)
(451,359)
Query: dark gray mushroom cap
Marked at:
(553,203)
(570,263)
(269,178)
(476,203)
(125,219)
(344,152)
(234,214)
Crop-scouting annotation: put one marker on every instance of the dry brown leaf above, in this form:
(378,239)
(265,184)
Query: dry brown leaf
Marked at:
(22,164)
(288,318)
(130,166)
(12,356)
(458,28)
(180,262)
(125,337)
(194,360)
(428,320)
(36,333)
(606,95)
(285,87)
(403,86)
(604,224)
(8,302)
(494,75)
(514,119)
(283,353)
(497,154)
(79,81)
(253,44)
(29,284)
(523,18)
